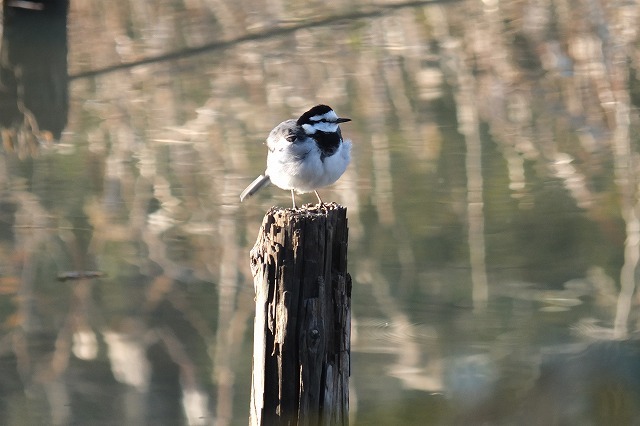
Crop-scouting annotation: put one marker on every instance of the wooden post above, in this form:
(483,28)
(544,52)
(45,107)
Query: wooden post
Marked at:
(302,331)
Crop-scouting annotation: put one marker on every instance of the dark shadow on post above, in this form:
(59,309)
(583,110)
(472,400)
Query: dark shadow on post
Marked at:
(301,355)
(34,99)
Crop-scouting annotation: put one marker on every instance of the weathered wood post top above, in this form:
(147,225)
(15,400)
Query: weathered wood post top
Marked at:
(302,331)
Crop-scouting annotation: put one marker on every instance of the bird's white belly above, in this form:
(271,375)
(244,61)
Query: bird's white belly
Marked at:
(311,172)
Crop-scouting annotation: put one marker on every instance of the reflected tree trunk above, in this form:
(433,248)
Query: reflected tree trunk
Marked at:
(226,341)
(33,71)
(627,171)
(469,127)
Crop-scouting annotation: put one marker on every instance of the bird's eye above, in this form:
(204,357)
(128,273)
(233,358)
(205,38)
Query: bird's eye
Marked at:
(290,137)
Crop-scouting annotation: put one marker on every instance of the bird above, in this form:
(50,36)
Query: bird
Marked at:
(305,154)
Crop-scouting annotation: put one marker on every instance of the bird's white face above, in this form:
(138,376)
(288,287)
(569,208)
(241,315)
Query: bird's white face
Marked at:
(327,116)
(327,122)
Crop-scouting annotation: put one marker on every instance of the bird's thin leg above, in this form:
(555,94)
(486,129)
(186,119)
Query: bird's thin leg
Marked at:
(293,198)
(319,199)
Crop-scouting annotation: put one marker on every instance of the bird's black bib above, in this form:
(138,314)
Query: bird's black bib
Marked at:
(327,142)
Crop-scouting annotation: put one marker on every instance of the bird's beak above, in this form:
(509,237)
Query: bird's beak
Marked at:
(343,120)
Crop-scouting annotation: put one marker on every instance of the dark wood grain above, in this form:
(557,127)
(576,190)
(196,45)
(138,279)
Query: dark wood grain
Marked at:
(301,358)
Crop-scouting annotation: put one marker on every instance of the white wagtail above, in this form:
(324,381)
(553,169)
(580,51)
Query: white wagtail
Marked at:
(305,154)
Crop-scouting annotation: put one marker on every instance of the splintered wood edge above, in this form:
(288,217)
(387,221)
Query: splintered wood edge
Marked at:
(280,217)
(307,209)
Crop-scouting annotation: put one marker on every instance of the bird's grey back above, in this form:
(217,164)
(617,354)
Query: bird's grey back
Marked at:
(286,130)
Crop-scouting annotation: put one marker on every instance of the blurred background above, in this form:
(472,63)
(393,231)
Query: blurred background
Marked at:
(493,205)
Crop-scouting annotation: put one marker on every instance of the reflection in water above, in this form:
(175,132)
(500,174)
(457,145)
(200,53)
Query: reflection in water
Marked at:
(33,73)
(494,166)
(469,127)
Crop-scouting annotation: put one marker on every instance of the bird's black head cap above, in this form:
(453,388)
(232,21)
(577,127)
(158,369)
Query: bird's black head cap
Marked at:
(316,110)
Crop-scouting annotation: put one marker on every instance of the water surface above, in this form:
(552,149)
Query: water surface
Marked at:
(492,205)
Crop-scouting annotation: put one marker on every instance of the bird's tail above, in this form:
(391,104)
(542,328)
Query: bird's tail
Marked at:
(255,186)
